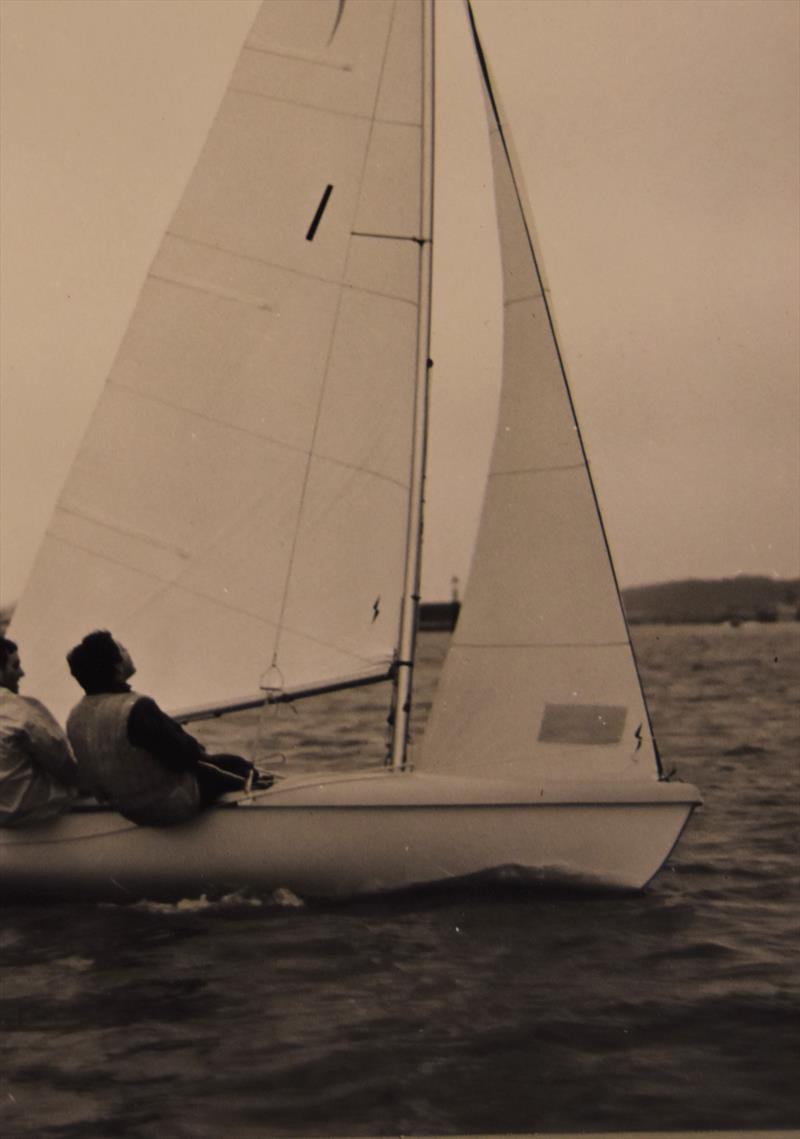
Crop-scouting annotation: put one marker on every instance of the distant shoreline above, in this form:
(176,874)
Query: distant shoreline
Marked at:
(694,601)
(733,601)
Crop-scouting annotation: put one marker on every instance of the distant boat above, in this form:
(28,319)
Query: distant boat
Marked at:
(245,514)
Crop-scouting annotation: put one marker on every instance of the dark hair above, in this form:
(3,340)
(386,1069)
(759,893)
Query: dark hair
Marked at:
(7,649)
(93,661)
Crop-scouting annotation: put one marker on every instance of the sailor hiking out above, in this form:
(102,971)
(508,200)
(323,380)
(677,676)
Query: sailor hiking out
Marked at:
(38,774)
(132,755)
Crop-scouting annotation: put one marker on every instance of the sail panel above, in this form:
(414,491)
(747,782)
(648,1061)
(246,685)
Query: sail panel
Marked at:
(352,605)
(178,638)
(365,416)
(536,434)
(386,268)
(160,560)
(124,489)
(494,715)
(540,682)
(320,53)
(391,191)
(64,575)
(542,564)
(241,496)
(231,340)
(250,195)
(400,98)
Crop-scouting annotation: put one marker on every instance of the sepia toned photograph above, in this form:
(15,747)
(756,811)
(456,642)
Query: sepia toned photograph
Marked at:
(399,568)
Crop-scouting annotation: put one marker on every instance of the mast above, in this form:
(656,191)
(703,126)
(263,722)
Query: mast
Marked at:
(411,583)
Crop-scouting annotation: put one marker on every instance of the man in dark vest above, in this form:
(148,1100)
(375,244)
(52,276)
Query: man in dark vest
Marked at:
(132,755)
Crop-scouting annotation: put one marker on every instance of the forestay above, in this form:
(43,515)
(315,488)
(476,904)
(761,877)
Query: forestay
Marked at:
(540,682)
(237,511)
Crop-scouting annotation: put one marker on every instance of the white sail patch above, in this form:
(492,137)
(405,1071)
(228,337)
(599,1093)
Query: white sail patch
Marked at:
(582,723)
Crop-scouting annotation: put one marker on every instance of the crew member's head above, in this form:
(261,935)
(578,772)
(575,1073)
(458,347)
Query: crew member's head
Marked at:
(11,671)
(99,663)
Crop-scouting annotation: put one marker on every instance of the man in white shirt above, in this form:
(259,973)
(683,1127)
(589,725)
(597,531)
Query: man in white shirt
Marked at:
(38,773)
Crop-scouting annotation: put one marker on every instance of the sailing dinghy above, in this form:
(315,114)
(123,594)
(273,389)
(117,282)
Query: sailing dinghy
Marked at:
(245,513)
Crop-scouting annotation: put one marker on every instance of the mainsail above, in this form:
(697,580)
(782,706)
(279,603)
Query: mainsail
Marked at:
(540,682)
(237,512)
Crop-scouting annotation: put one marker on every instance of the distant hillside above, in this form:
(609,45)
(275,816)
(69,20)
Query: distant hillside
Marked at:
(691,602)
(696,601)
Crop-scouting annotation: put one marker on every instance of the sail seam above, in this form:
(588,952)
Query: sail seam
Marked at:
(358,469)
(301,57)
(227,294)
(128,533)
(537,470)
(268,439)
(264,306)
(336,282)
(335,112)
(541,645)
(378,293)
(104,557)
(235,427)
(190,239)
(392,237)
(512,301)
(226,605)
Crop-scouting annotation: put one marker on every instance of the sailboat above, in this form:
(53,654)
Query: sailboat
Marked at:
(245,514)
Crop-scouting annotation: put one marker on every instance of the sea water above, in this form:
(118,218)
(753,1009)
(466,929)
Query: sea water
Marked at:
(493,1010)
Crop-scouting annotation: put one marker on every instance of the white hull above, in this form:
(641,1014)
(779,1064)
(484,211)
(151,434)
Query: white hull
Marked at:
(345,836)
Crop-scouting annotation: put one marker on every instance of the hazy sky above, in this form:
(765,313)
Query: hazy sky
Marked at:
(660,146)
